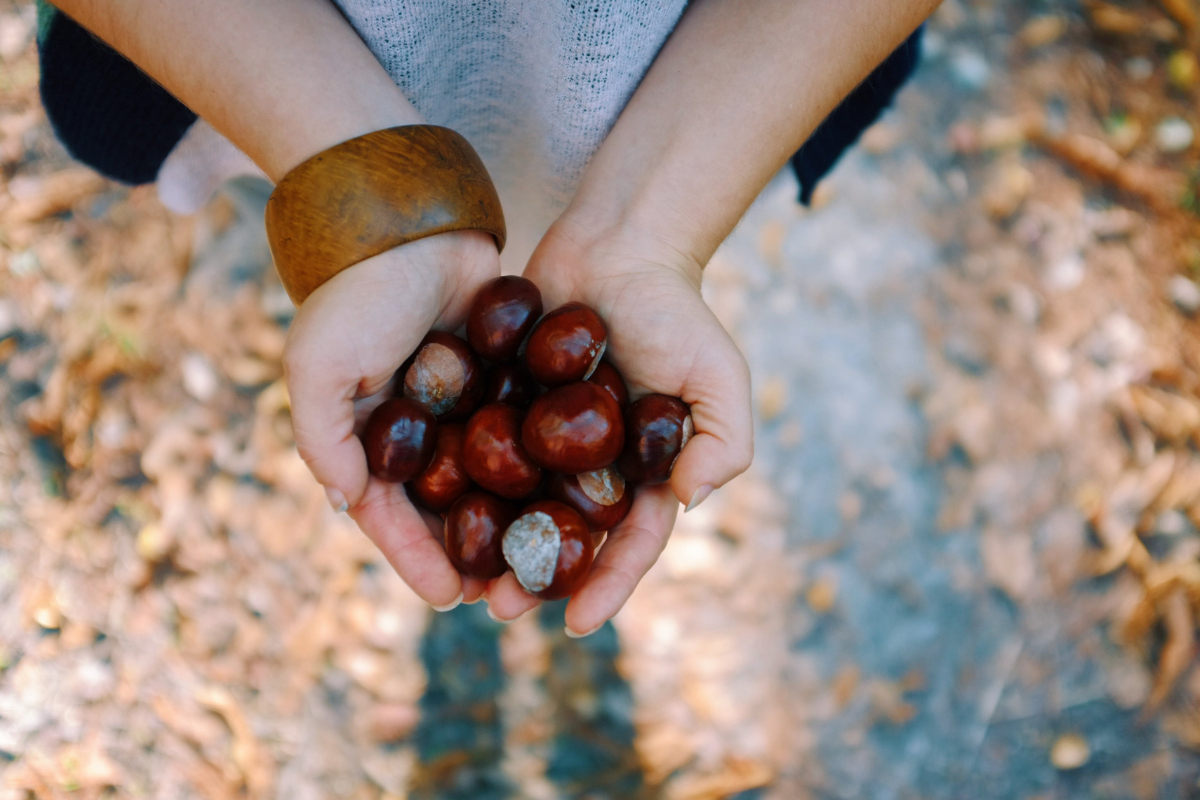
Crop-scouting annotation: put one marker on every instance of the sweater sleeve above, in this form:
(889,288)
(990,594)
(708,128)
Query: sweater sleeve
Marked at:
(842,128)
(107,113)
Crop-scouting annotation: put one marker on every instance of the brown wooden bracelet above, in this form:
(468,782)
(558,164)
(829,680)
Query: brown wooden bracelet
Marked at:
(372,193)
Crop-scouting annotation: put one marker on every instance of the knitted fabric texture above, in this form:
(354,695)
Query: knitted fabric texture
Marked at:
(534,86)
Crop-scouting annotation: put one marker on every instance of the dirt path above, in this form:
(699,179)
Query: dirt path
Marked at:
(963,562)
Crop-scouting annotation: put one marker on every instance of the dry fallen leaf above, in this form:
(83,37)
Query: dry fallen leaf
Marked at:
(1179,649)
(1114,19)
(1183,11)
(1069,751)
(822,595)
(253,762)
(38,198)
(737,775)
(1041,31)
(1008,561)
(663,748)
(772,398)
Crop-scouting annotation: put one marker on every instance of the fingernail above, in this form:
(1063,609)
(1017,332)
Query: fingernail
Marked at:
(451,606)
(573,635)
(492,614)
(476,600)
(699,497)
(337,500)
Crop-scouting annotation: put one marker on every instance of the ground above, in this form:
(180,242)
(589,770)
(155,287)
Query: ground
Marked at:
(964,563)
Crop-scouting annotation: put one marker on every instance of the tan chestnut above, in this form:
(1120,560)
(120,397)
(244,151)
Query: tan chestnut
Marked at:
(444,376)
(657,428)
(574,428)
(566,345)
(399,440)
(494,456)
(549,549)
(474,534)
(504,311)
(601,497)
(445,479)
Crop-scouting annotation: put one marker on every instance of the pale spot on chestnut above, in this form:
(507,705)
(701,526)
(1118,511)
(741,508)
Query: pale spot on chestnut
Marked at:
(436,378)
(531,548)
(549,549)
(605,486)
(444,376)
(601,497)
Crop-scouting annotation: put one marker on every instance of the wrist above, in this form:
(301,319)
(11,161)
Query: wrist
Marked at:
(414,285)
(359,116)
(599,236)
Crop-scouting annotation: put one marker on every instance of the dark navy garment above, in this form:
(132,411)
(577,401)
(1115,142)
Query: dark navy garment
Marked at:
(117,120)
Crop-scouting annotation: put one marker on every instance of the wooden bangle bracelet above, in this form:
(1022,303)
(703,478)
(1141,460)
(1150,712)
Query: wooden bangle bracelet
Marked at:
(372,193)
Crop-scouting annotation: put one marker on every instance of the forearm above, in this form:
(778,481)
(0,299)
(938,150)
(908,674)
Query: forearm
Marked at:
(282,79)
(739,86)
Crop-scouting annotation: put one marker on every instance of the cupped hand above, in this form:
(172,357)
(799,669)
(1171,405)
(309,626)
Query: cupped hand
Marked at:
(663,339)
(346,342)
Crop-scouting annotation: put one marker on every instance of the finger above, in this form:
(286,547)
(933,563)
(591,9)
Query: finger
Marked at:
(321,391)
(364,406)
(628,553)
(437,528)
(718,391)
(397,529)
(507,600)
(473,590)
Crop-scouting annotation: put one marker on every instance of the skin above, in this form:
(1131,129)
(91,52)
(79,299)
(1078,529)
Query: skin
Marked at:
(737,89)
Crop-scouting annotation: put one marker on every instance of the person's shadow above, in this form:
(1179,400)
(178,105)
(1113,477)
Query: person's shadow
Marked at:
(460,739)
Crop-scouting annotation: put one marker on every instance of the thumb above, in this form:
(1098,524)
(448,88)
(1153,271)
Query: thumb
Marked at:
(722,447)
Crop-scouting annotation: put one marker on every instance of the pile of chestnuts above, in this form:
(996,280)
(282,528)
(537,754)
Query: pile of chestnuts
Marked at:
(522,438)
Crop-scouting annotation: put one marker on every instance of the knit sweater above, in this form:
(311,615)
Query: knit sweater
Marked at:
(504,76)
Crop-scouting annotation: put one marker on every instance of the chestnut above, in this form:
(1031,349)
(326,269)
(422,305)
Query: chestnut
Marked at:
(399,440)
(549,549)
(494,456)
(445,479)
(606,375)
(566,345)
(443,375)
(510,383)
(574,428)
(504,311)
(474,534)
(657,428)
(601,496)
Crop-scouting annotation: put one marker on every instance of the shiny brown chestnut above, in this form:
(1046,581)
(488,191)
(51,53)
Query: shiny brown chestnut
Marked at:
(494,456)
(399,440)
(601,496)
(657,428)
(474,533)
(606,375)
(504,312)
(549,549)
(574,428)
(510,383)
(566,345)
(443,375)
(445,479)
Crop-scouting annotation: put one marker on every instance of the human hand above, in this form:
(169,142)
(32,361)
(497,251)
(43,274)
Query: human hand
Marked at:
(663,338)
(345,344)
